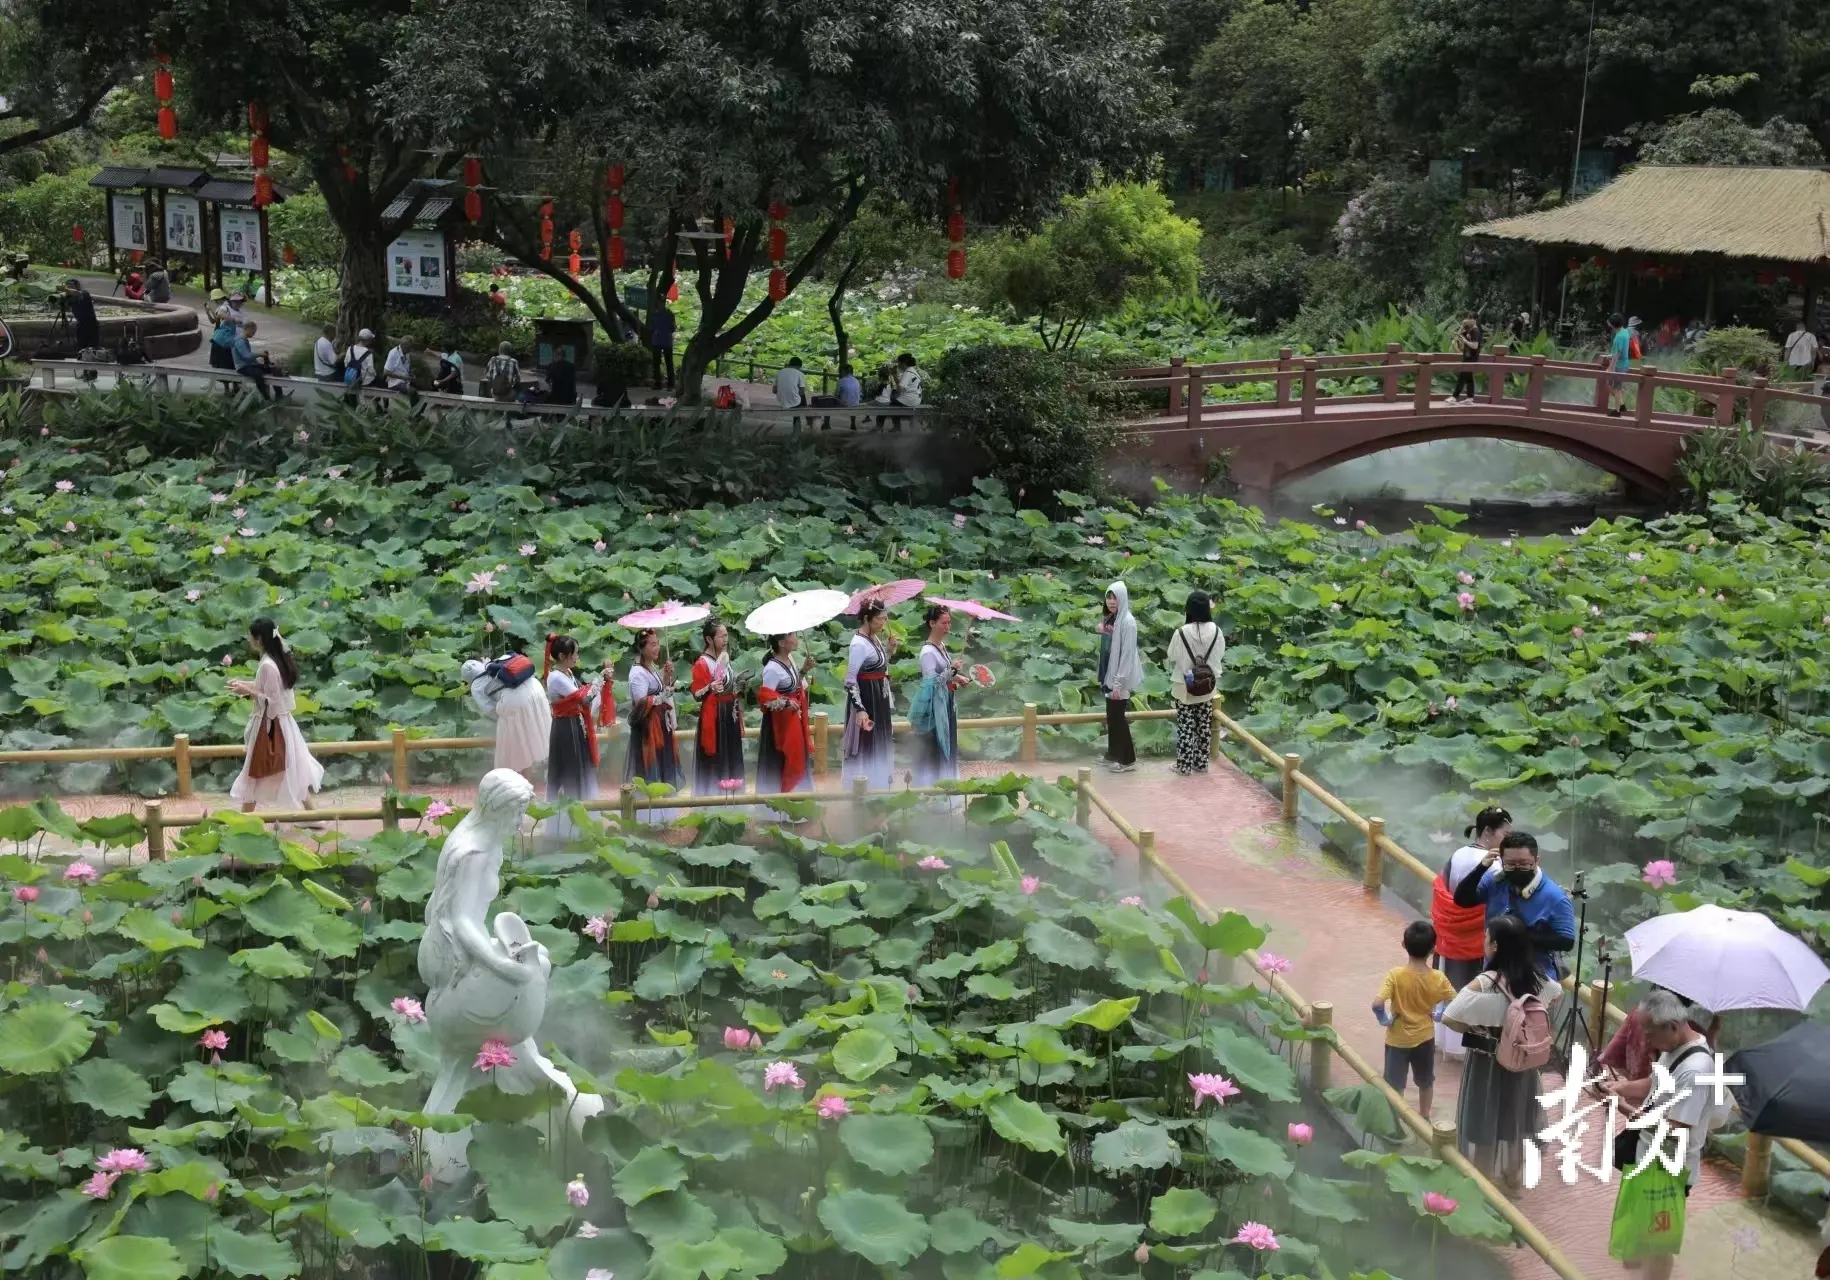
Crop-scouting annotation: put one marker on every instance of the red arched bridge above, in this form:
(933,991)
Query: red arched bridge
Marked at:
(1276,420)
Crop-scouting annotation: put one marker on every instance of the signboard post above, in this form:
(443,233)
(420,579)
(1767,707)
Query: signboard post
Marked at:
(240,231)
(183,224)
(417,265)
(127,224)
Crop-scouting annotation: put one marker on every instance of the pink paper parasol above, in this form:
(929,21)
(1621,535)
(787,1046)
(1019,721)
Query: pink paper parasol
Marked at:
(891,593)
(671,614)
(973,609)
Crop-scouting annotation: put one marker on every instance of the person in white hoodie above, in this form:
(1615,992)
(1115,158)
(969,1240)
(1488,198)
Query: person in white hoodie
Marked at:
(1121,674)
(523,716)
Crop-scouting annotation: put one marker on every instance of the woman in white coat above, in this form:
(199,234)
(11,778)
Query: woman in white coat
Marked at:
(277,770)
(1195,652)
(1121,674)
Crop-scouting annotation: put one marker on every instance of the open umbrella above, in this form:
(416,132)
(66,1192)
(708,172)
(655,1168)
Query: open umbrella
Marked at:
(973,609)
(891,593)
(796,612)
(1724,960)
(1787,1094)
(671,614)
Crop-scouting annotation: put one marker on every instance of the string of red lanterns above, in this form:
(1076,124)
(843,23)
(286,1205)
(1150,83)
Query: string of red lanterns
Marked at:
(162,90)
(575,242)
(546,230)
(473,197)
(349,170)
(613,213)
(778,250)
(259,153)
(956,233)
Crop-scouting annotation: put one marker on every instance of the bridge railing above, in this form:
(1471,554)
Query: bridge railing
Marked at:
(1299,387)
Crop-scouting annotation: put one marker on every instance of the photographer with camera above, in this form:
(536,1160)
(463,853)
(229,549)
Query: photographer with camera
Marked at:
(82,315)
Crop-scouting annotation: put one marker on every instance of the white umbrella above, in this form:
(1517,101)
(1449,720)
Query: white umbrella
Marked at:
(796,612)
(1724,959)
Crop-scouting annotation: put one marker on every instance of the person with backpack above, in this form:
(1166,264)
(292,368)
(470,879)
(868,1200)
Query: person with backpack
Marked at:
(505,691)
(502,375)
(1517,886)
(1461,932)
(1504,1017)
(1195,652)
(359,362)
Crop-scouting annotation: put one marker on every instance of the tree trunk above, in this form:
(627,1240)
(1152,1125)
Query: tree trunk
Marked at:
(835,310)
(362,281)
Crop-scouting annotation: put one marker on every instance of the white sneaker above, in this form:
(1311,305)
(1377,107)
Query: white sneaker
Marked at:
(1124,768)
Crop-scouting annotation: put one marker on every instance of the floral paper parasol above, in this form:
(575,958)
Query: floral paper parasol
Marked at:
(671,614)
(973,609)
(891,593)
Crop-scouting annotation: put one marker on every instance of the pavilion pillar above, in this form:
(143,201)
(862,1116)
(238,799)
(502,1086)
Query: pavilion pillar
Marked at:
(1709,299)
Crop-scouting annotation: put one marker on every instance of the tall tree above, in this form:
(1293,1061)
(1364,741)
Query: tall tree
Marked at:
(720,111)
(57,64)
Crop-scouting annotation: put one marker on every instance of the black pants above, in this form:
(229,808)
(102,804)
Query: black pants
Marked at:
(1118,732)
(1464,381)
(257,374)
(663,354)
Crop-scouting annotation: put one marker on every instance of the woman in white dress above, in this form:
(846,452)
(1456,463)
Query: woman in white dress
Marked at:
(654,754)
(784,755)
(869,752)
(290,785)
(577,710)
(507,692)
(932,713)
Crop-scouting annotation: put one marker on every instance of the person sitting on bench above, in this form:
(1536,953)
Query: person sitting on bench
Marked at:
(248,364)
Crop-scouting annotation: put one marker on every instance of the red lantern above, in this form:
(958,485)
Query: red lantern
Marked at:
(168,123)
(546,229)
(258,152)
(546,210)
(473,205)
(263,191)
(257,117)
(76,233)
(956,227)
(673,291)
(162,85)
(616,253)
(473,171)
(613,213)
(289,255)
(956,264)
(778,285)
(778,244)
(952,190)
(778,211)
(730,233)
(613,177)
(575,241)
(575,264)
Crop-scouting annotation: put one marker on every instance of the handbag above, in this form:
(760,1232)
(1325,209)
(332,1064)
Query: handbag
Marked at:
(268,756)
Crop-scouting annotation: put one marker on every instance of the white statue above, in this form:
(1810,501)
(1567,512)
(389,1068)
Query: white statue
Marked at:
(484,988)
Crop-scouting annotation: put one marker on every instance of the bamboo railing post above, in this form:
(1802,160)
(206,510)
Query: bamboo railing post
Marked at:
(625,804)
(1146,847)
(399,741)
(155,831)
(1375,856)
(390,812)
(1214,732)
(1757,1166)
(1083,799)
(181,759)
(822,742)
(1029,749)
(1292,763)
(1442,1137)
(1321,1052)
(1596,997)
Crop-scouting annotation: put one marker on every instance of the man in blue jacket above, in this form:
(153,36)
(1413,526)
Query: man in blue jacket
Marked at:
(1519,887)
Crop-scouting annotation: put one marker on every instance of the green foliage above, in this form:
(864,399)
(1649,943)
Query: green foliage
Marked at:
(1750,352)
(1769,476)
(621,364)
(1032,412)
(303,223)
(1719,135)
(36,218)
(1119,242)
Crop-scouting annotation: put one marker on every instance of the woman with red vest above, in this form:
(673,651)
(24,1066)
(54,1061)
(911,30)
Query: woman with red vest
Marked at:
(718,754)
(578,709)
(784,760)
(1461,932)
(653,754)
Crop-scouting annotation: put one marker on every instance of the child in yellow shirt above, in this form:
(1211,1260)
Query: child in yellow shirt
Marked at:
(1407,999)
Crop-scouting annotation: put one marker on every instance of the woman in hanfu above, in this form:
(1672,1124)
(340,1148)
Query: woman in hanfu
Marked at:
(653,754)
(932,714)
(578,709)
(784,761)
(718,744)
(869,752)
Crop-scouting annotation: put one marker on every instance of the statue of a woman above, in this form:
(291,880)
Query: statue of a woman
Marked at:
(481,986)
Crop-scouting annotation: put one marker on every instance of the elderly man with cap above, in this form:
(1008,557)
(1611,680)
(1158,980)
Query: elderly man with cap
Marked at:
(361,359)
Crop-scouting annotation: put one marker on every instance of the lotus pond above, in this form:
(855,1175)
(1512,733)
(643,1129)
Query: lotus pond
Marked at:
(931,1044)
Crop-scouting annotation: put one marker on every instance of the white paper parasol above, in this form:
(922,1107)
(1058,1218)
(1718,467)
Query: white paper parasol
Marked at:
(796,612)
(1724,959)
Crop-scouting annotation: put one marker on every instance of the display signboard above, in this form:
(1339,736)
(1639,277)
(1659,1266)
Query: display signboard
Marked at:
(416,264)
(241,238)
(183,224)
(130,230)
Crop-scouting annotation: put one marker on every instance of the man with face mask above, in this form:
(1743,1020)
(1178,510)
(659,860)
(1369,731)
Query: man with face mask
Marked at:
(1519,887)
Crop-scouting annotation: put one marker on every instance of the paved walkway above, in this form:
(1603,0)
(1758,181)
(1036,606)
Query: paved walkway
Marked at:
(1225,835)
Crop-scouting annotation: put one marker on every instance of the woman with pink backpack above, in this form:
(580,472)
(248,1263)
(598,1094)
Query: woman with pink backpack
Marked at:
(1504,1016)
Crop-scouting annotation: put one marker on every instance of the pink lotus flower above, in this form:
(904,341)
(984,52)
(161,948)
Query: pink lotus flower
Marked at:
(781,1075)
(246,533)
(1131,900)
(1576,631)
(328,522)
(123,1160)
(577,1192)
(213,1040)
(1141,1255)
(65,486)
(1257,1236)
(528,548)
(1359,524)
(833,1107)
(1271,962)
(903,554)
(654,900)
(439,809)
(193,595)
(598,545)
(1659,873)
(25,893)
(1208,1085)
(228,660)
(1450,702)
(737,1038)
(481,582)
(511,450)
(587,1231)
(1466,601)
(280,484)
(99,1185)
(81,872)
(959,522)
(1031,884)
(596,928)
(408,1008)
(1201,976)
(1301,1134)
(1437,1203)
(932,863)
(1465,578)
(493,1054)
(1636,556)
(730,784)
(69,526)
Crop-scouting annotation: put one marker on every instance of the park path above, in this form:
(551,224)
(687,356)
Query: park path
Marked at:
(1224,834)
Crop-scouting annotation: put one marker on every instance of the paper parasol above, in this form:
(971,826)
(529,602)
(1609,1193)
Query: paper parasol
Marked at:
(796,612)
(973,609)
(891,593)
(671,614)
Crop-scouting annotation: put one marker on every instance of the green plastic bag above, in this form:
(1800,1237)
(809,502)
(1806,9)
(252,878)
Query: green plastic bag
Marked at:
(1648,1215)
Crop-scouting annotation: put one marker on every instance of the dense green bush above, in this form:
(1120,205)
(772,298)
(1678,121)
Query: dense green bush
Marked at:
(1263,282)
(36,218)
(621,364)
(1033,413)
(303,222)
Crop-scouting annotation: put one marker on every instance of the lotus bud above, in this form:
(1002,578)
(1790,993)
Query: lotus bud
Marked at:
(1142,1255)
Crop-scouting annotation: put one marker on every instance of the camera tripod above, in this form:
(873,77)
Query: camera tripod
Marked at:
(1565,1038)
